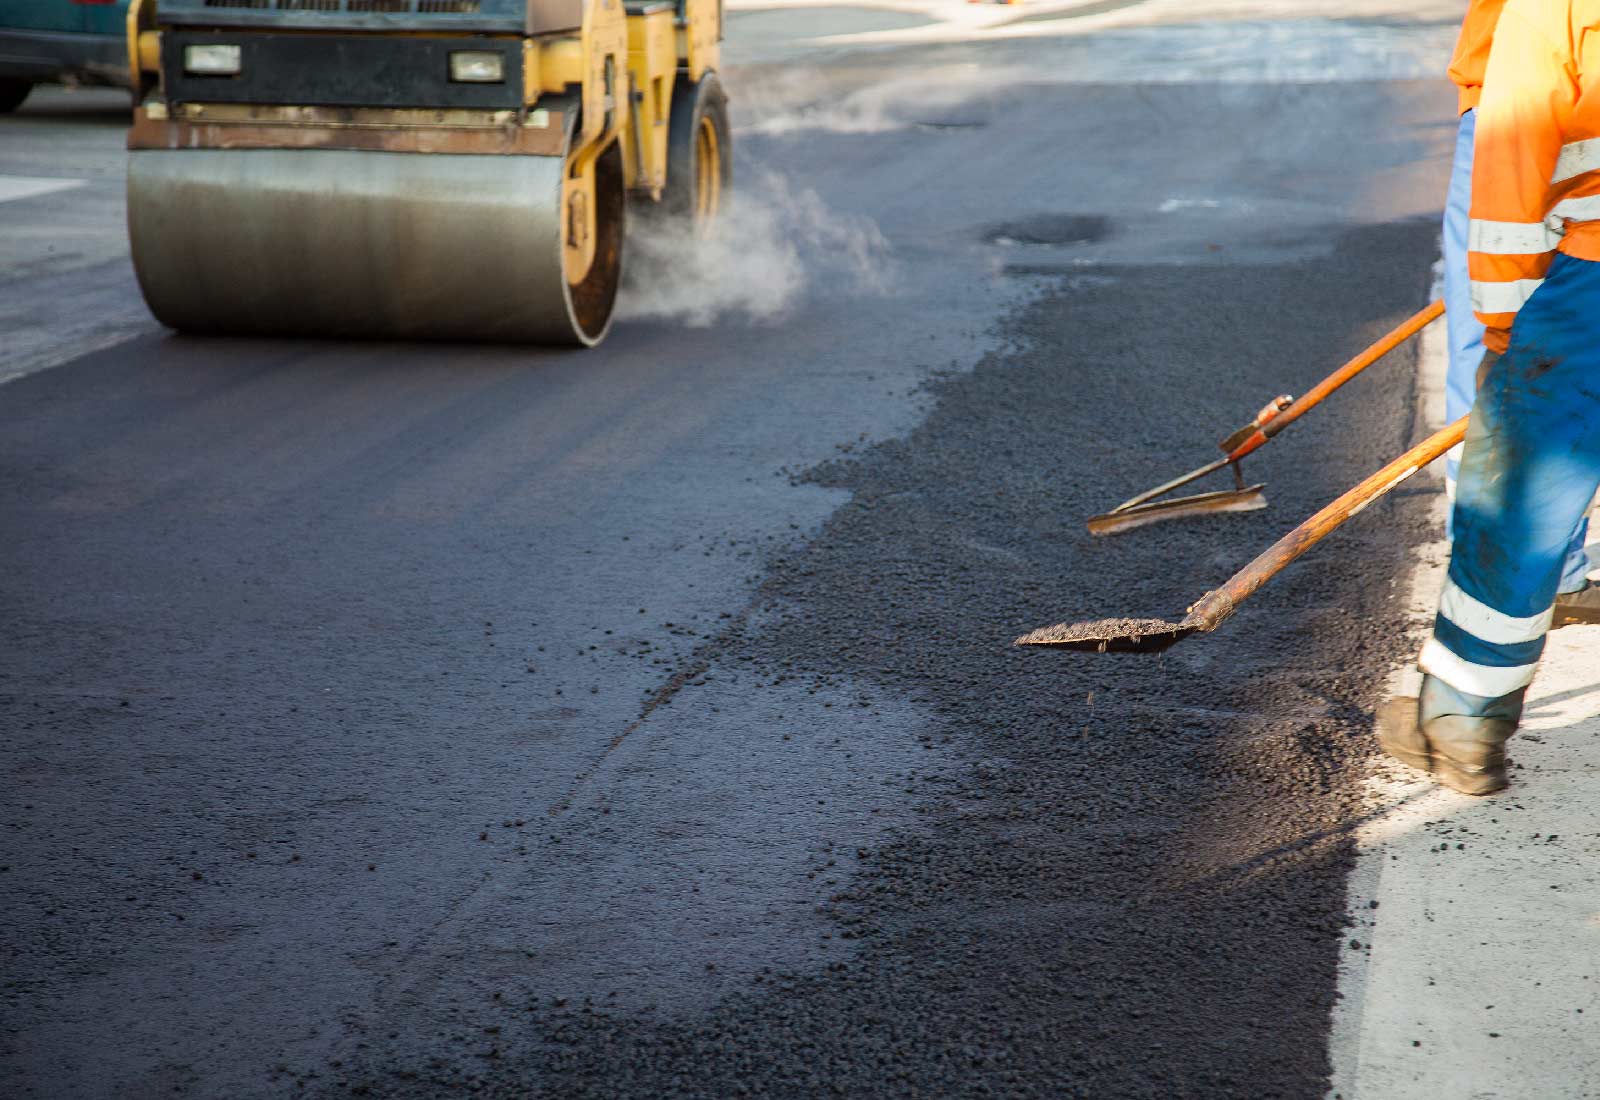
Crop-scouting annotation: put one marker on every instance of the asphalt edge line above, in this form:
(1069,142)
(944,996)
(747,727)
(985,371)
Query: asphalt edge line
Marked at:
(122,324)
(104,342)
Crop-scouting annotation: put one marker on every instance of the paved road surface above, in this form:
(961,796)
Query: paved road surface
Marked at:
(413,720)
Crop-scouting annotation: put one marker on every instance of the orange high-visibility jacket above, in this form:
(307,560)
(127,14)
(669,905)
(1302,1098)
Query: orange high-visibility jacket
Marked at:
(1472,51)
(1536,169)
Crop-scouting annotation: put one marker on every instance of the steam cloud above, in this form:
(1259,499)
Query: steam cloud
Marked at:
(884,105)
(769,245)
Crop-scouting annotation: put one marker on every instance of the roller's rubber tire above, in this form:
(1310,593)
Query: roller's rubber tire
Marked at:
(12,93)
(699,153)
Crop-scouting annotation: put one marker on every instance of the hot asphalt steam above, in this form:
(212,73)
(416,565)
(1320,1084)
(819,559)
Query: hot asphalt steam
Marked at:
(771,243)
(805,101)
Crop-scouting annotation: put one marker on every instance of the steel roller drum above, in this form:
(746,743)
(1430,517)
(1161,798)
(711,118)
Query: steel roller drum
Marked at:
(325,242)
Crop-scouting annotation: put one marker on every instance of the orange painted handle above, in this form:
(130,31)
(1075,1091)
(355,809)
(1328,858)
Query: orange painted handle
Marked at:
(1328,385)
(1217,605)
(1272,409)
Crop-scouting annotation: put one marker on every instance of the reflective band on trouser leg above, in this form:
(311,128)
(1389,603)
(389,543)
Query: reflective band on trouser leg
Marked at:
(1461,674)
(1528,474)
(1464,332)
(1466,613)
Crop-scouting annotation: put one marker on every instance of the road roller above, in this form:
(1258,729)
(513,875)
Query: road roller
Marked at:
(414,169)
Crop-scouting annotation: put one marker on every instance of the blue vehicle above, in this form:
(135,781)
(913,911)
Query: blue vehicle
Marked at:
(61,42)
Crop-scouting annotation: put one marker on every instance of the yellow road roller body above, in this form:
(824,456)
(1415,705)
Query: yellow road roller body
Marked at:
(433,169)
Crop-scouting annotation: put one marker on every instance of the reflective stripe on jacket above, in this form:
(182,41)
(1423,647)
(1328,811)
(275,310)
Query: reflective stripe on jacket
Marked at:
(1472,51)
(1536,170)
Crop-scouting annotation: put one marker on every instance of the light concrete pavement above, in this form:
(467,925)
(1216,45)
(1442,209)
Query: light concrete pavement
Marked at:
(1473,965)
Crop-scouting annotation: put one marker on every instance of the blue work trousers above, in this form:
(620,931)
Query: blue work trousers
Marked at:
(1529,471)
(1465,331)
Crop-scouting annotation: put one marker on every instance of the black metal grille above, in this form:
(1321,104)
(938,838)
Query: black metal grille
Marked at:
(342,70)
(474,16)
(426,7)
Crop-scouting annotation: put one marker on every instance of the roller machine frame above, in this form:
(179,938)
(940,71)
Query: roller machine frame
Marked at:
(448,169)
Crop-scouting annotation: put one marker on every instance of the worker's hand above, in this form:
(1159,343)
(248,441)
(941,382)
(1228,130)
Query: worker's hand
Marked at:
(1490,358)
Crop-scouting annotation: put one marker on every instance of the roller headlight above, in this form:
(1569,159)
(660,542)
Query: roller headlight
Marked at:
(212,60)
(477,67)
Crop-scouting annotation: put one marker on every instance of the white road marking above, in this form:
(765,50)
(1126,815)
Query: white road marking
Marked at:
(27,187)
(54,319)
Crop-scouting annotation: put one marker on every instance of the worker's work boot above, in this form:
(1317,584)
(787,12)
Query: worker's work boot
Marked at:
(1459,739)
(1582,606)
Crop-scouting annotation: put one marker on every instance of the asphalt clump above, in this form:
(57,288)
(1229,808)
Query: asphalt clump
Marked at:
(1131,881)
(1097,630)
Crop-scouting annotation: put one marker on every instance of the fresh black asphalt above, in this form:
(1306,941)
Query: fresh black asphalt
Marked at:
(431,721)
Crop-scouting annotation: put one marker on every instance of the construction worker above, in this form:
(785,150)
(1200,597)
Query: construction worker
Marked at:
(1531,461)
(1577,601)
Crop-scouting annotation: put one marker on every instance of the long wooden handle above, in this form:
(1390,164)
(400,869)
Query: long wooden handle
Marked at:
(1215,607)
(1320,392)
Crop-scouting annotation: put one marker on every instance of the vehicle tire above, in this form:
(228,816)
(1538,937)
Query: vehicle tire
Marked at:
(12,93)
(699,153)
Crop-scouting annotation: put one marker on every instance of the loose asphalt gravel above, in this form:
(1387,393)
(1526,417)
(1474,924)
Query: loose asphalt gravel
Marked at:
(1128,875)
(423,721)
